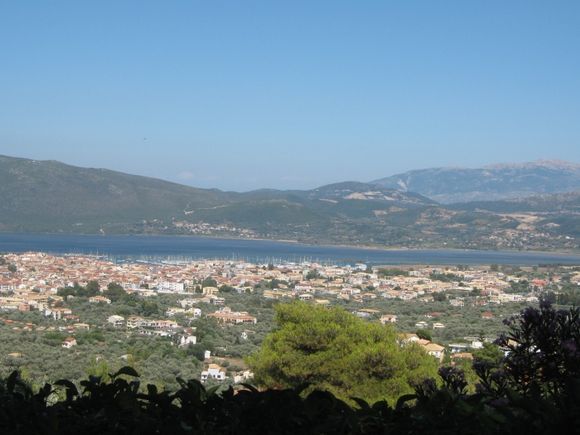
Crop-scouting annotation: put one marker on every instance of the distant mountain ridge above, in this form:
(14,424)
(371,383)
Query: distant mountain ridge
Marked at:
(44,195)
(494,182)
(49,196)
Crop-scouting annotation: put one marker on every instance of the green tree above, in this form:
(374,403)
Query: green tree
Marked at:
(313,274)
(424,334)
(115,292)
(209,282)
(490,354)
(226,289)
(149,308)
(475,292)
(333,350)
(439,297)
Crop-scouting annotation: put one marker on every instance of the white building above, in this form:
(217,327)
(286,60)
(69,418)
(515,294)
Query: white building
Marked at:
(173,287)
(116,321)
(214,372)
(185,340)
(69,342)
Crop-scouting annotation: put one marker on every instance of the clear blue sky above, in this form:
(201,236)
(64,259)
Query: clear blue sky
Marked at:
(289,94)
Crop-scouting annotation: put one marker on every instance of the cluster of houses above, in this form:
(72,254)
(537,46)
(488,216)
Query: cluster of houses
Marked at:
(38,275)
(34,279)
(154,327)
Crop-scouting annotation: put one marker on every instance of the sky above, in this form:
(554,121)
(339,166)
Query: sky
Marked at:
(241,95)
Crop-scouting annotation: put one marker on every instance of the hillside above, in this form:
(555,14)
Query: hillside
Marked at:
(559,211)
(49,196)
(453,185)
(547,203)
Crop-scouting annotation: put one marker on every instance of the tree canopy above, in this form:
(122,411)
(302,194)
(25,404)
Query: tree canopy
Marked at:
(332,350)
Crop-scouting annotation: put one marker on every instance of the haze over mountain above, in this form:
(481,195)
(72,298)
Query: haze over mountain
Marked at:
(49,196)
(496,182)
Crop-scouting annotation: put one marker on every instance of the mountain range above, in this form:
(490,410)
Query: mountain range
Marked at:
(50,196)
(497,182)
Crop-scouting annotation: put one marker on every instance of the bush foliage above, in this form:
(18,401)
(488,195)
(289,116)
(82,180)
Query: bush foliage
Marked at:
(535,389)
(332,350)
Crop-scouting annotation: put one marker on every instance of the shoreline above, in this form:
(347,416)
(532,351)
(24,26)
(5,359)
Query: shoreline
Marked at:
(373,248)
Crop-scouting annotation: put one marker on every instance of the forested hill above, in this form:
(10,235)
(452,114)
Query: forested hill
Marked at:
(53,196)
(453,185)
(49,196)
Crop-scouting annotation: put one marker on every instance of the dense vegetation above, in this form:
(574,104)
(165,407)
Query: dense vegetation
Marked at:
(38,354)
(332,350)
(535,389)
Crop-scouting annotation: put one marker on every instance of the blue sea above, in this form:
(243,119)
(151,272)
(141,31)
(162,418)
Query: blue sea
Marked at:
(184,248)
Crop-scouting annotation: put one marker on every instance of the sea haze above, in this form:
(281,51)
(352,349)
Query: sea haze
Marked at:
(185,248)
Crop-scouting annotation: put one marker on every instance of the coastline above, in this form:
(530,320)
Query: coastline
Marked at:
(143,246)
(303,243)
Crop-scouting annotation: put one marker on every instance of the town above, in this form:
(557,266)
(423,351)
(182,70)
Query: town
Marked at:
(219,311)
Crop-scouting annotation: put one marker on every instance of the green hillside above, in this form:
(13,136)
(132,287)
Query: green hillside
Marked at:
(49,196)
(52,196)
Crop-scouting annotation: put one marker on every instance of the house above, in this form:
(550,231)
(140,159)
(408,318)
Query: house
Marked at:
(210,291)
(457,348)
(99,299)
(172,287)
(187,302)
(213,372)
(462,355)
(187,339)
(438,325)
(194,312)
(69,342)
(476,344)
(116,321)
(244,376)
(432,349)
(135,322)
(435,350)
(388,318)
(456,302)
(406,338)
(57,313)
(174,311)
(217,301)
(227,316)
